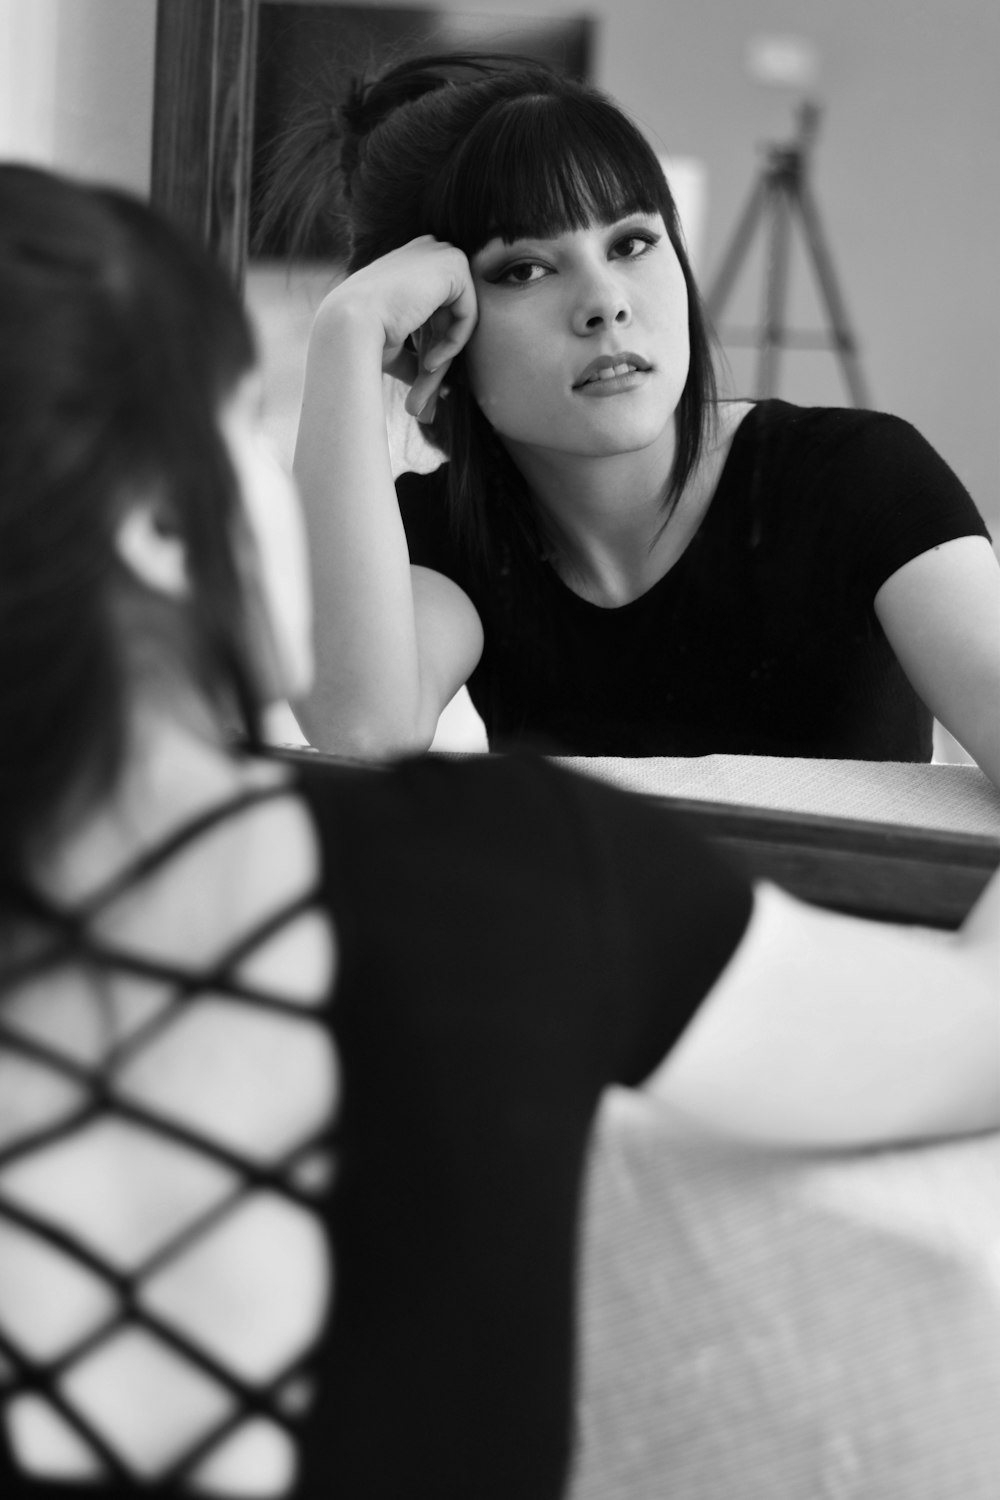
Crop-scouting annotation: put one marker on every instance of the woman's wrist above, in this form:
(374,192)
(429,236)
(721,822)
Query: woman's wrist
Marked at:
(344,323)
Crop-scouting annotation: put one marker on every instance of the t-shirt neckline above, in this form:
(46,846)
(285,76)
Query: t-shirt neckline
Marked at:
(727,477)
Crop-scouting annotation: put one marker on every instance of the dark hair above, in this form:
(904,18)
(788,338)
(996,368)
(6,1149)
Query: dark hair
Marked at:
(467,147)
(119,341)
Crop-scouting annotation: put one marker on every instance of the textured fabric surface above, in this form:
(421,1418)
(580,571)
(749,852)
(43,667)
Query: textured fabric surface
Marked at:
(959,798)
(803,1328)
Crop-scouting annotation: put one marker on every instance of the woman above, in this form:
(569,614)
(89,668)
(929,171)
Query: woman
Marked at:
(297,1067)
(616,562)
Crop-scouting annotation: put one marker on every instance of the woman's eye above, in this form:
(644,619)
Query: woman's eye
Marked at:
(632,246)
(522,273)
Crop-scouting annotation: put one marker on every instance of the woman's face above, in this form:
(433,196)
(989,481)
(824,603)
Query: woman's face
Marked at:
(279,570)
(581,347)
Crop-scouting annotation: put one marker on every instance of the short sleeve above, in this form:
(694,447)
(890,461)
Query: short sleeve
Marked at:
(545,903)
(670,911)
(902,498)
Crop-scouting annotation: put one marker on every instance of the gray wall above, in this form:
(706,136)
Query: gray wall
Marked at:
(905,173)
(76,79)
(905,169)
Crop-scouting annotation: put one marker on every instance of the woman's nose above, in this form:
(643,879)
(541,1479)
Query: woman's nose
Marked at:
(602,303)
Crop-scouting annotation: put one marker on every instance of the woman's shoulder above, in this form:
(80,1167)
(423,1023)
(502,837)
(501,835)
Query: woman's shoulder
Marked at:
(521,805)
(783,428)
(230,872)
(428,803)
(854,455)
(435,790)
(864,483)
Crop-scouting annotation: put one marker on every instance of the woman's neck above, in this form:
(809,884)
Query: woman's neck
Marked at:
(606,515)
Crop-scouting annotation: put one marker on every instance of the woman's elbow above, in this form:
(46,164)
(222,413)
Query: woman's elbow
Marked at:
(365,735)
(384,742)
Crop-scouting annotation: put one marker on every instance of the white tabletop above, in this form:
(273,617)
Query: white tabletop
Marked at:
(957,798)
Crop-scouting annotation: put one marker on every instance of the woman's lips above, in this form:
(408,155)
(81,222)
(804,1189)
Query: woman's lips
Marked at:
(612,372)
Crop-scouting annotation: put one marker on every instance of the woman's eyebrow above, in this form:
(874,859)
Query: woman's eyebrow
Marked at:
(499,239)
(629,216)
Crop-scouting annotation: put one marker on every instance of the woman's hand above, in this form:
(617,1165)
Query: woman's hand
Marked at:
(422,296)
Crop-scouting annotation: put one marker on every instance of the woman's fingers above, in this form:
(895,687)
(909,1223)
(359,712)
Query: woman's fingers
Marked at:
(427,302)
(401,363)
(444,335)
(421,300)
(421,399)
(453,324)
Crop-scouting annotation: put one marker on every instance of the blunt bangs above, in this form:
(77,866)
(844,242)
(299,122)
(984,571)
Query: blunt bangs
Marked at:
(543,165)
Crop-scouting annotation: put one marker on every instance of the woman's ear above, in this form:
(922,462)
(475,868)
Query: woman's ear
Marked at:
(152,548)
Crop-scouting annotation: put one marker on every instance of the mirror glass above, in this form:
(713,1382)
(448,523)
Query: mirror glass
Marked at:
(897,170)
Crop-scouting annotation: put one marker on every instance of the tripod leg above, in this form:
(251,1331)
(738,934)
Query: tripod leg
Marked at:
(844,340)
(773,329)
(715,299)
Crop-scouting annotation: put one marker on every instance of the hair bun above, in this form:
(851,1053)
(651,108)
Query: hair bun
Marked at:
(355,122)
(369,100)
(355,118)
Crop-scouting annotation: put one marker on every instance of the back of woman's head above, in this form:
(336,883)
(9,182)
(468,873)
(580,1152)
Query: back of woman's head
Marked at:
(463,146)
(118,344)
(468,147)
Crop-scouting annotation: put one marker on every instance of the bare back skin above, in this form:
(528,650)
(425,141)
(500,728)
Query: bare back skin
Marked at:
(223,1259)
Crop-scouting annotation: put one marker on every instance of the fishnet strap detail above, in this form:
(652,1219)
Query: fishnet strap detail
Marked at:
(76,942)
(243,1178)
(248,1400)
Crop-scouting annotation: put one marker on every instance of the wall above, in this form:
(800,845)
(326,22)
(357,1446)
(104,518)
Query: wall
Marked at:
(904,172)
(905,167)
(76,86)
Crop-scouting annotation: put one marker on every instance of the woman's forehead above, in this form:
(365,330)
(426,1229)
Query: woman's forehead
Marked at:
(600,222)
(512,188)
(609,220)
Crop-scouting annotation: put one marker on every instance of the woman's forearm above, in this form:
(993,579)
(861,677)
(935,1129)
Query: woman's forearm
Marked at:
(366,696)
(833,1031)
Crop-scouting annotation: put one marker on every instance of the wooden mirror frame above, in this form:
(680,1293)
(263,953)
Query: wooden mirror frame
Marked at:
(202,144)
(203,101)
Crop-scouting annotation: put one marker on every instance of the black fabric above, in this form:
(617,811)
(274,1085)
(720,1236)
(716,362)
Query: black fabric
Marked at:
(511,938)
(761,640)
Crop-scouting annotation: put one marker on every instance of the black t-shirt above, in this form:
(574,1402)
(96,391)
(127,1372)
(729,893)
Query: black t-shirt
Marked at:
(761,639)
(510,939)
(513,940)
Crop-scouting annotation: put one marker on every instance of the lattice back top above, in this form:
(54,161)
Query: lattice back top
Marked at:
(164,1153)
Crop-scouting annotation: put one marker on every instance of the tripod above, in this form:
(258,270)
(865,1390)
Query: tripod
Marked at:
(781,191)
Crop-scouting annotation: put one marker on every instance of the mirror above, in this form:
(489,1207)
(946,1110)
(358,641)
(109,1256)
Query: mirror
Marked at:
(919,195)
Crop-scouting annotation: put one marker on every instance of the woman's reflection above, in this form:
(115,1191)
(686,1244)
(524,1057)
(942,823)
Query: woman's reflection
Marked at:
(616,561)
